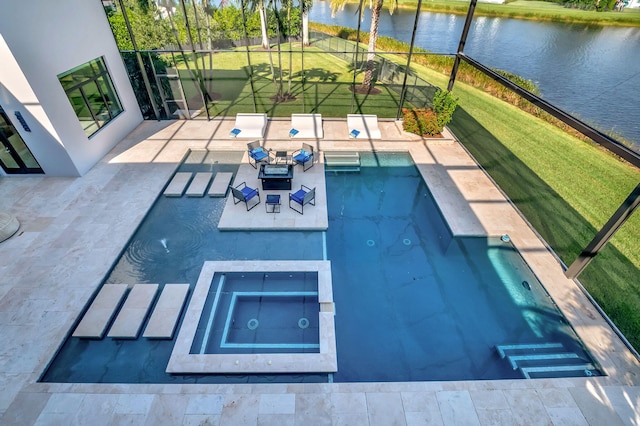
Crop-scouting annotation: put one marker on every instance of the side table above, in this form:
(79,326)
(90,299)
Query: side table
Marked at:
(273,200)
(283,156)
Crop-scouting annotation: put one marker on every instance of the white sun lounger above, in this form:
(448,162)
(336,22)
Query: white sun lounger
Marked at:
(249,126)
(363,126)
(306,126)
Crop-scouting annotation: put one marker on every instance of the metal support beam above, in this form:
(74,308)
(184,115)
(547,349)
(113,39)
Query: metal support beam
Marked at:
(145,79)
(198,74)
(604,235)
(403,92)
(597,136)
(463,41)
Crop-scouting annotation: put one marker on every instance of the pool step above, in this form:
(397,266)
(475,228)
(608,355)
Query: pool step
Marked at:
(134,311)
(549,360)
(199,184)
(514,359)
(220,184)
(527,346)
(178,184)
(102,309)
(585,369)
(165,315)
(342,160)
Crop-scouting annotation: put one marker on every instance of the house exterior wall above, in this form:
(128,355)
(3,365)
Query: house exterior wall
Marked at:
(40,40)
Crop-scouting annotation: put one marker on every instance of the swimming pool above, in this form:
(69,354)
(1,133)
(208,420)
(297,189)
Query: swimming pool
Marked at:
(411,301)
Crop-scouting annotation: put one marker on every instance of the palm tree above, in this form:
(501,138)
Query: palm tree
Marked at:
(306,6)
(258,5)
(373,37)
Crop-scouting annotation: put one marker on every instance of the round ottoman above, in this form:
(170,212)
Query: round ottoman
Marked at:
(8,225)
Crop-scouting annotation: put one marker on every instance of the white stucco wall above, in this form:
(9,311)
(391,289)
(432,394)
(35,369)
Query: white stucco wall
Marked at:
(39,40)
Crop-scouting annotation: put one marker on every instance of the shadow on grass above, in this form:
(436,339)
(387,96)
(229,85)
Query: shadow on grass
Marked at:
(611,279)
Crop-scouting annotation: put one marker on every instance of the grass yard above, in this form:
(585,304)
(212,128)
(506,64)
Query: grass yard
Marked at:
(324,87)
(531,10)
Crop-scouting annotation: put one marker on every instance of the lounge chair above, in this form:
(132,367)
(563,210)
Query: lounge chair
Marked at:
(304,195)
(249,126)
(363,126)
(303,156)
(258,154)
(242,192)
(306,126)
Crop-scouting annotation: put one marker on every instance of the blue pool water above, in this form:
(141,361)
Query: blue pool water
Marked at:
(415,303)
(260,313)
(411,301)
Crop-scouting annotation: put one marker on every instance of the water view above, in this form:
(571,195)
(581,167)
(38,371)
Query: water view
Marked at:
(590,71)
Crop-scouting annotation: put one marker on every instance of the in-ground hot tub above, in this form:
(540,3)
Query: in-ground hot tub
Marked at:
(258,317)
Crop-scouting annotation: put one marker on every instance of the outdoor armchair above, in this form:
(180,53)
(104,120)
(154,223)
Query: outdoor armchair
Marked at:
(258,154)
(242,192)
(304,156)
(303,196)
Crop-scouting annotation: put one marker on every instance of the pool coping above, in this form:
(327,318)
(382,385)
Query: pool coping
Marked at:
(182,361)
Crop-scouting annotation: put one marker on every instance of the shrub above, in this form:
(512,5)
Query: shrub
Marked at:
(421,121)
(444,104)
(428,121)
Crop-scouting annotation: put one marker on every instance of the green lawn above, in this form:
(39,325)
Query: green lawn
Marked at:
(325,88)
(531,10)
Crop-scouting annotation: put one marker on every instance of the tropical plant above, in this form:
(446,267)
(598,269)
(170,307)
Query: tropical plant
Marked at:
(430,121)
(444,105)
(305,6)
(336,5)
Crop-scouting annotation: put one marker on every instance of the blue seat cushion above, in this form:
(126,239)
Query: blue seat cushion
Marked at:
(258,154)
(248,193)
(302,157)
(298,196)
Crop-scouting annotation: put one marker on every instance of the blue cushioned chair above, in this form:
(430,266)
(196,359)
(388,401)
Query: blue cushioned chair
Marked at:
(258,154)
(304,156)
(302,196)
(242,192)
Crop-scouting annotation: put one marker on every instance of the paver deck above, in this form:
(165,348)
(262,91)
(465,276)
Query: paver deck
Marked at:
(101,311)
(130,318)
(71,238)
(164,318)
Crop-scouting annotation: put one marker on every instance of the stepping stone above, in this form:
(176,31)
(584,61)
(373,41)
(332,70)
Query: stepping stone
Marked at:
(199,184)
(196,157)
(165,316)
(130,318)
(99,314)
(220,184)
(178,184)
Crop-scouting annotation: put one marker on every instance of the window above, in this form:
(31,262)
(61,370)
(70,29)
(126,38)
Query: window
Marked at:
(91,93)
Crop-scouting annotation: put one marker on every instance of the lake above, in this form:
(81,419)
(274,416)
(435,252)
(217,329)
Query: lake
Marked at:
(592,72)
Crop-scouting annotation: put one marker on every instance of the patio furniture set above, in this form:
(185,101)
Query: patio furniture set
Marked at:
(276,168)
(276,173)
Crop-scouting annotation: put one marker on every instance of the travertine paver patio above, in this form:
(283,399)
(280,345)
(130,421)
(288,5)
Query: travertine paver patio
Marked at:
(74,228)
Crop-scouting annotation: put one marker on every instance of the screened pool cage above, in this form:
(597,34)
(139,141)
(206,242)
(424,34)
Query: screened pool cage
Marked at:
(203,74)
